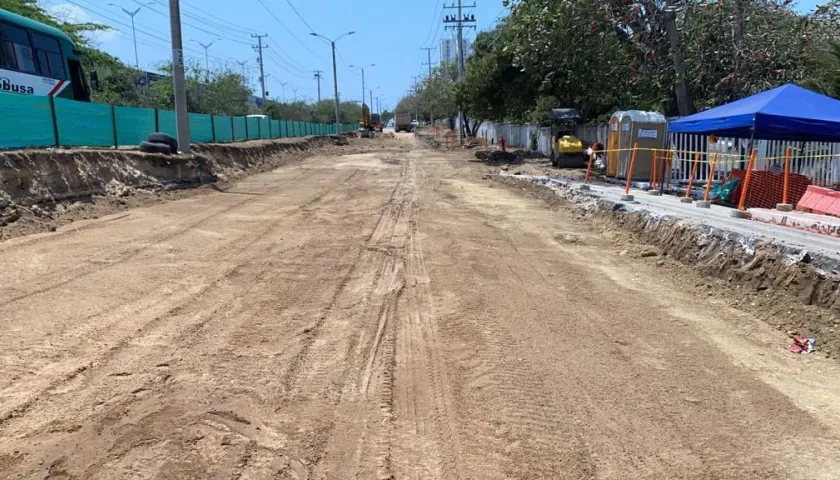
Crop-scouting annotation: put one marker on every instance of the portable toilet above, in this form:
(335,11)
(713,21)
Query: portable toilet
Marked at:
(627,128)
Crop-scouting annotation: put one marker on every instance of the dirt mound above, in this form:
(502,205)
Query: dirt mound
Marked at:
(496,156)
(339,140)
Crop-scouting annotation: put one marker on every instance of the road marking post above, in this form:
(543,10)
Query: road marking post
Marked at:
(785,206)
(627,197)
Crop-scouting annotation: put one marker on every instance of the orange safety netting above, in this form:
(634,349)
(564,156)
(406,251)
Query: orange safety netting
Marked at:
(766,188)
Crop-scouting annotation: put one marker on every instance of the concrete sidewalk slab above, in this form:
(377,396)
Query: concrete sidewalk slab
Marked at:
(716,216)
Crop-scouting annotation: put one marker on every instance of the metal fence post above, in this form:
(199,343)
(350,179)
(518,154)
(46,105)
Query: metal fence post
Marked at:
(157,120)
(114,126)
(259,128)
(232,129)
(54,120)
(247,135)
(213,126)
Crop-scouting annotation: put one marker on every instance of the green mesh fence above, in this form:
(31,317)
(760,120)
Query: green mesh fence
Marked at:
(201,128)
(265,128)
(224,128)
(27,121)
(37,122)
(166,122)
(240,129)
(84,124)
(253,127)
(133,124)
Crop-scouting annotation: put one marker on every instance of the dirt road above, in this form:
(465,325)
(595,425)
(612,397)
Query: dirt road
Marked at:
(385,315)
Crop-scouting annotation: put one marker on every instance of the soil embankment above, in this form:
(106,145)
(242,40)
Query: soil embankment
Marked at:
(43,189)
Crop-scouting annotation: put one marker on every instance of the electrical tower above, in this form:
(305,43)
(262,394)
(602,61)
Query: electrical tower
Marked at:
(318,75)
(460,21)
(259,47)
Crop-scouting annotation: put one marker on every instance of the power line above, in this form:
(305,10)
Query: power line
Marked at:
(434,22)
(289,31)
(224,23)
(300,16)
(221,35)
(288,61)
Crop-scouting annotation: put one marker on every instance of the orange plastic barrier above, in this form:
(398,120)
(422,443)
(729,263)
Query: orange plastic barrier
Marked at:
(820,200)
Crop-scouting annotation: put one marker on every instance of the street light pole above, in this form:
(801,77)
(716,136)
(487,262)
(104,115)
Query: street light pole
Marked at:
(206,55)
(179,84)
(131,14)
(335,75)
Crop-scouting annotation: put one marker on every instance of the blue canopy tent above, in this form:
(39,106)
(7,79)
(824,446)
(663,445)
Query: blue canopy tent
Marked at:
(783,113)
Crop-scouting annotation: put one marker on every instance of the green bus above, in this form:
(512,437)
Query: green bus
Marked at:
(37,59)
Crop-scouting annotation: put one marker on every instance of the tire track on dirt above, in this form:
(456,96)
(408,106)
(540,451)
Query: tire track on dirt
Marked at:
(22,407)
(149,241)
(428,440)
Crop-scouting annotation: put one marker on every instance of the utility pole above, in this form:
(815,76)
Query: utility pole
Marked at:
(182,119)
(429,51)
(318,75)
(429,63)
(260,48)
(416,92)
(460,20)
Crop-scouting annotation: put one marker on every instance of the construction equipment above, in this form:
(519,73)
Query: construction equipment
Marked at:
(403,122)
(376,120)
(366,125)
(566,149)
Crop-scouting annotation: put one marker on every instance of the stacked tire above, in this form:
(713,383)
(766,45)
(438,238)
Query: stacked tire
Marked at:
(160,143)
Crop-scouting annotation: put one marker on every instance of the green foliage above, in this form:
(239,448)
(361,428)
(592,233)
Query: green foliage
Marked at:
(320,112)
(600,56)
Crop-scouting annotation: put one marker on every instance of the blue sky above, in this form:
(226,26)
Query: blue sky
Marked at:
(389,33)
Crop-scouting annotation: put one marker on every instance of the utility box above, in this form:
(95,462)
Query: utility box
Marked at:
(627,128)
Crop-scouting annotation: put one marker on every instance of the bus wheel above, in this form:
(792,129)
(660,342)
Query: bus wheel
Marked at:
(159,137)
(149,147)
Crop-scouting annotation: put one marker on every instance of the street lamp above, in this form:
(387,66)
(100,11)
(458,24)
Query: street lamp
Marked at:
(363,79)
(335,75)
(206,56)
(132,13)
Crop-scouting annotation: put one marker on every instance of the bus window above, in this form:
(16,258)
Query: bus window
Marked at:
(49,56)
(17,51)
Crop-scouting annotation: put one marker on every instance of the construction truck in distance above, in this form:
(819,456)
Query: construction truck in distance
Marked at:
(402,122)
(376,120)
(366,125)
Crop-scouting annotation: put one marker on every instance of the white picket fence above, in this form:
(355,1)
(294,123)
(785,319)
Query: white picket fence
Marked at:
(819,161)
